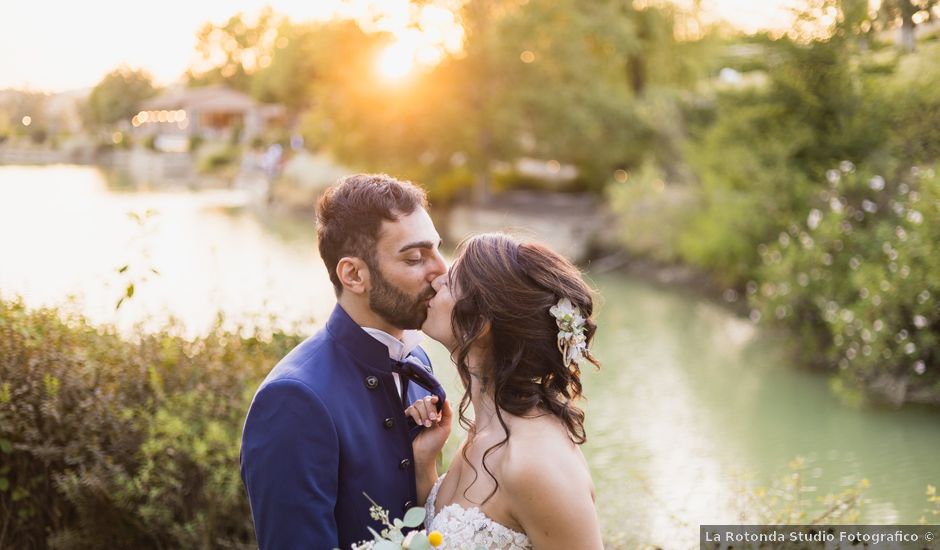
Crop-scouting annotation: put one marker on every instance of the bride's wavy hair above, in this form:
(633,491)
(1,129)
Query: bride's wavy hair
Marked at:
(512,285)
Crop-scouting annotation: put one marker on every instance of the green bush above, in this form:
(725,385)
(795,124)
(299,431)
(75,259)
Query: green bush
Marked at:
(912,102)
(218,158)
(760,159)
(652,213)
(792,500)
(107,442)
(195,142)
(751,185)
(856,279)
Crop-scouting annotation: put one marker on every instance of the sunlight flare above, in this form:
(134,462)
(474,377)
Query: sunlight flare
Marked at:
(396,61)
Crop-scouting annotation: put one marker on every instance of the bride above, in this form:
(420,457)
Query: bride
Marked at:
(516,318)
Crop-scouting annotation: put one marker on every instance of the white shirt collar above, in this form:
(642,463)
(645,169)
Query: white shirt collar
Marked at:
(397,349)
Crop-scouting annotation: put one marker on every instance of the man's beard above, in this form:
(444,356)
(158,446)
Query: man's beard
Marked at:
(394,305)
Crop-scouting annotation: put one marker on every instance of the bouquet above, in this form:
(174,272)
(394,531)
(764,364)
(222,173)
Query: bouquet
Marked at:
(392,538)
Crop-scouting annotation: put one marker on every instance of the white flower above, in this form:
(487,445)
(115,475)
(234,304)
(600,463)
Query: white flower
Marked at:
(571,340)
(563,309)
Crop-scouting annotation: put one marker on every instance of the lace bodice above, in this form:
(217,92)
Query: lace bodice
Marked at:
(469,528)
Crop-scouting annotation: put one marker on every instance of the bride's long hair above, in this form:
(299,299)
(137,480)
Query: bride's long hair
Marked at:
(512,285)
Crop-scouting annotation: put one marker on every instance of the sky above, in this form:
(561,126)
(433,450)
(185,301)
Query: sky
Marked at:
(51,45)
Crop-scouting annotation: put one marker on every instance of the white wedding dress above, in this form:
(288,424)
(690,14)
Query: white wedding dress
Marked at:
(469,528)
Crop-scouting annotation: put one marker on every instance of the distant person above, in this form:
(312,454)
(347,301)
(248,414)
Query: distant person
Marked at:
(271,165)
(271,161)
(328,424)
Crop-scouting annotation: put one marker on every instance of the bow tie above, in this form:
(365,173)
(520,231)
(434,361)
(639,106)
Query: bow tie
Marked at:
(413,369)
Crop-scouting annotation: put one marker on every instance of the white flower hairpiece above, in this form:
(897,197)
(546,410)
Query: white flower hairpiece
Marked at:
(571,340)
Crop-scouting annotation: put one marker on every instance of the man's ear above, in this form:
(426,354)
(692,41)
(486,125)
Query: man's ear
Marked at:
(353,274)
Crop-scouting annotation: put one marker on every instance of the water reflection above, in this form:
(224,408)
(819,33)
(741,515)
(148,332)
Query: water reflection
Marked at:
(693,404)
(66,234)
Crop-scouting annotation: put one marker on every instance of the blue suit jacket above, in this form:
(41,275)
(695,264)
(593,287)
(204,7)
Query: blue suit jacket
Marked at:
(326,426)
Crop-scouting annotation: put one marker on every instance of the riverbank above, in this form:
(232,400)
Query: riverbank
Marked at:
(882,390)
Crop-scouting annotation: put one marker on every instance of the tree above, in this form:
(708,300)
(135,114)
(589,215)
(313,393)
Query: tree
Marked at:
(118,95)
(15,106)
(761,161)
(573,101)
(289,76)
(909,13)
(541,79)
(230,53)
(550,80)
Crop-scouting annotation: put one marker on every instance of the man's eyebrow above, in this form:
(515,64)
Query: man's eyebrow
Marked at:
(419,244)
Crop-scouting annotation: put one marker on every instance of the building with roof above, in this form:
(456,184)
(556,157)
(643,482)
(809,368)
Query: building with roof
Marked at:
(210,112)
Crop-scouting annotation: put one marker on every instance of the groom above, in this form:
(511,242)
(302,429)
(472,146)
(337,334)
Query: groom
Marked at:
(327,424)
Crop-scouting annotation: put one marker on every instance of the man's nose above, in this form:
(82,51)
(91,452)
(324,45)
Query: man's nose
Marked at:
(437,283)
(439,267)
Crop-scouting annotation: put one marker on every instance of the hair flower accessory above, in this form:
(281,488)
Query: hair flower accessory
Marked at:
(571,340)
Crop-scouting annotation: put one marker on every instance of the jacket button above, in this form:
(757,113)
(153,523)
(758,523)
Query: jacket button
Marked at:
(408,504)
(389,422)
(372,382)
(404,464)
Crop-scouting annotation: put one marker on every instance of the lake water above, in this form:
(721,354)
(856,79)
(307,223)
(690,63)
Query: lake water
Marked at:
(692,405)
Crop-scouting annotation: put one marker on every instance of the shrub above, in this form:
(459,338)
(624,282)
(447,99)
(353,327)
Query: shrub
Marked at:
(118,443)
(792,500)
(761,159)
(652,213)
(857,281)
(913,107)
(218,158)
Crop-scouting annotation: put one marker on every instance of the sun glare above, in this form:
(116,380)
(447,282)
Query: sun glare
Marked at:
(396,61)
(422,37)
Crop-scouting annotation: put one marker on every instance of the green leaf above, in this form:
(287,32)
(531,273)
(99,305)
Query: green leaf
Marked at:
(375,535)
(419,542)
(130,290)
(398,523)
(414,517)
(386,545)
(4,484)
(123,268)
(6,446)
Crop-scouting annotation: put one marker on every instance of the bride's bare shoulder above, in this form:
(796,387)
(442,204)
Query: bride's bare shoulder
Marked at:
(543,468)
(540,451)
